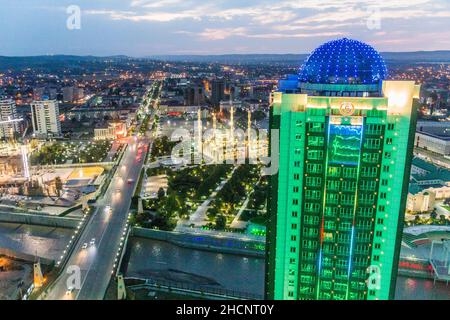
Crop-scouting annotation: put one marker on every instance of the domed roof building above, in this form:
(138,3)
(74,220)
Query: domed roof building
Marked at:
(342,139)
(344,61)
(342,67)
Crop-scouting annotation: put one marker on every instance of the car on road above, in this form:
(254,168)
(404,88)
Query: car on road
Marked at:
(85,245)
(130,181)
(108,209)
(92,243)
(69,291)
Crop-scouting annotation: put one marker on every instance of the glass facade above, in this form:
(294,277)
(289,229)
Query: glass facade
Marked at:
(337,203)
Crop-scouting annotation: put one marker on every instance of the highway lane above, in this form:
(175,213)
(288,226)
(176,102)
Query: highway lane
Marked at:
(96,262)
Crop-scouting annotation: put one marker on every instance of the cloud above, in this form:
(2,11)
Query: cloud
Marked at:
(221,34)
(297,35)
(213,34)
(157,3)
(149,16)
(276,19)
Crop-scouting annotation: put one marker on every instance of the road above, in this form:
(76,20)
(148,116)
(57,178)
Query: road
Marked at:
(96,262)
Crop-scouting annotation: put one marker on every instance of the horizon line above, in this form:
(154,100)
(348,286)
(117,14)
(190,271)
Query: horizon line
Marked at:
(193,54)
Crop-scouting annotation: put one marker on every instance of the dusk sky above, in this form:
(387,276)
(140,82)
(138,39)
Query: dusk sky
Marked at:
(153,27)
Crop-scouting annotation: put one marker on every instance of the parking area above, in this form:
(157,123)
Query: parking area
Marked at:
(152,185)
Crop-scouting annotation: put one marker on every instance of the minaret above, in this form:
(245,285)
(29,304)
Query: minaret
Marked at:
(26,167)
(38,277)
(121,291)
(231,136)
(199,133)
(214,137)
(249,129)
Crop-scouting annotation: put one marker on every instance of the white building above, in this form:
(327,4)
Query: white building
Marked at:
(433,136)
(110,131)
(45,118)
(7,116)
(428,183)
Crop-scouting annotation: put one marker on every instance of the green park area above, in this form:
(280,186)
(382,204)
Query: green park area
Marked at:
(187,188)
(145,125)
(256,208)
(70,152)
(232,196)
(161,147)
(430,218)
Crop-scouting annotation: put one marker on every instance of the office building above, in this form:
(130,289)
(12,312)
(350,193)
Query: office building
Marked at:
(9,124)
(194,95)
(217,91)
(45,118)
(338,201)
(433,136)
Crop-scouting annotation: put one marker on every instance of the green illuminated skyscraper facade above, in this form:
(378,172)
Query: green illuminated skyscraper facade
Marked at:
(338,200)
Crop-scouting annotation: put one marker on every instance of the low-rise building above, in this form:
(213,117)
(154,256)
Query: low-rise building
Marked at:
(433,136)
(428,183)
(110,131)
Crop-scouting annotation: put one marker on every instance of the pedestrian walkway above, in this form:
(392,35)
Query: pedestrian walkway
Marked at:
(199,217)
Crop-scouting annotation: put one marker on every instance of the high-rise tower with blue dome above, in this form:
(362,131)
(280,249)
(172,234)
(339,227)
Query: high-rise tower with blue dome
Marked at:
(343,137)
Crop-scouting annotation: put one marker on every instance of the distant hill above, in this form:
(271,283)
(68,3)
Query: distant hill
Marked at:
(419,56)
(233,58)
(50,62)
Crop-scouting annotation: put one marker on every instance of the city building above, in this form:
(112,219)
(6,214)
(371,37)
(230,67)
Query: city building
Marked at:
(338,201)
(217,91)
(45,118)
(78,94)
(429,183)
(194,95)
(38,93)
(110,131)
(433,136)
(9,124)
(227,104)
(68,94)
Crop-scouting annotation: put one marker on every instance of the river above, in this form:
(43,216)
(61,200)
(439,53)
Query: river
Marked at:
(243,274)
(233,272)
(45,242)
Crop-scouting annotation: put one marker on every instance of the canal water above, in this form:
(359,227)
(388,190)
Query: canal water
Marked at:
(238,273)
(45,242)
(232,272)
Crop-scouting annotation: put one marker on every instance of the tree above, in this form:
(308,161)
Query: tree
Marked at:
(169,206)
(433,214)
(161,193)
(58,186)
(221,222)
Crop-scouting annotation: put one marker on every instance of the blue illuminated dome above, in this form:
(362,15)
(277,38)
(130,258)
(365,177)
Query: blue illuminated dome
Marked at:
(344,61)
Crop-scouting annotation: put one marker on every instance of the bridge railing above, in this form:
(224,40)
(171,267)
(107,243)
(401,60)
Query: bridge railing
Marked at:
(200,289)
